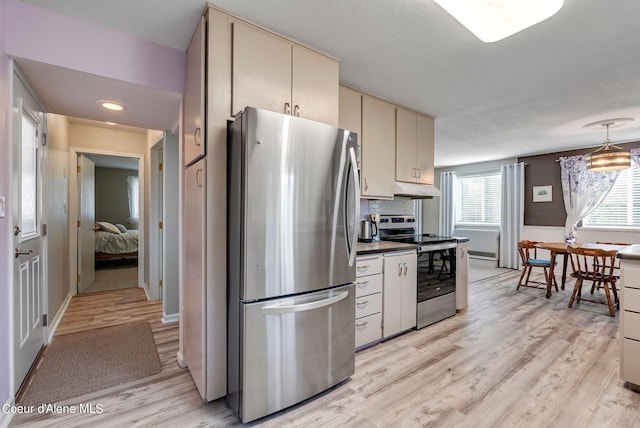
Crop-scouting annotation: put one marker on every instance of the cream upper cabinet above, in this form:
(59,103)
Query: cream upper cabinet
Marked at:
(377,170)
(350,114)
(194,146)
(273,73)
(425,149)
(414,147)
(314,86)
(406,137)
(261,70)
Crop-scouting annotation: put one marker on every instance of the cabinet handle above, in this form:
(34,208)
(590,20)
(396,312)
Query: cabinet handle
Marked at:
(413,172)
(364,303)
(287,108)
(419,172)
(362,284)
(195,136)
(366,184)
(362,324)
(363,267)
(399,269)
(296,111)
(199,170)
(405,269)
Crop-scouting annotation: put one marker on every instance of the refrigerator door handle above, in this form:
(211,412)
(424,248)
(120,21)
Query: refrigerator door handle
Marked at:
(288,309)
(356,212)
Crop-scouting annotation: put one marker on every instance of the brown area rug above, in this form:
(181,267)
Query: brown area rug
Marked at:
(80,363)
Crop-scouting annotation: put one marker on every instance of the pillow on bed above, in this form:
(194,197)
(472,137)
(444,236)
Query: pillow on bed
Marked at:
(121,228)
(107,227)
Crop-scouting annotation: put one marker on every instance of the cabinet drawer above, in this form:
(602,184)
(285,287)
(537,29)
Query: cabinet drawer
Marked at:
(368,305)
(368,329)
(631,299)
(368,285)
(629,369)
(631,325)
(368,266)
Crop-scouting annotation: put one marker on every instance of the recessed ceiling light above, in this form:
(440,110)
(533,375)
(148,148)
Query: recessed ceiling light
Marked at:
(493,20)
(110,123)
(112,105)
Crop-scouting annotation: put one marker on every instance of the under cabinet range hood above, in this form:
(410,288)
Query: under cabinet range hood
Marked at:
(415,191)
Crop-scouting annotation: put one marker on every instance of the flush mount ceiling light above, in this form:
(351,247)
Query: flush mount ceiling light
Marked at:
(112,105)
(493,20)
(609,157)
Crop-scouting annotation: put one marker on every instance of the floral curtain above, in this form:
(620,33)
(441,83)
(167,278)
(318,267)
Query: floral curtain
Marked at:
(582,191)
(447,203)
(132,193)
(635,155)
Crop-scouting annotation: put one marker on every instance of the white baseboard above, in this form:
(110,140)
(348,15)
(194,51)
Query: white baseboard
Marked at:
(182,363)
(56,320)
(170,318)
(5,418)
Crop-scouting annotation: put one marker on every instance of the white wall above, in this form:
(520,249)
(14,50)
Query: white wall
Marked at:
(58,275)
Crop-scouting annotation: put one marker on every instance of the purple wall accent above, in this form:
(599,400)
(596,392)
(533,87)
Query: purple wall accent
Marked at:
(5,223)
(52,38)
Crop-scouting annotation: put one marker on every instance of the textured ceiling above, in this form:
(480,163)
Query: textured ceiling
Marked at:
(527,94)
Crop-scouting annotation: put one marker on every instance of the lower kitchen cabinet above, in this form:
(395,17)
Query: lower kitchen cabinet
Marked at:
(368,299)
(399,292)
(462,276)
(630,317)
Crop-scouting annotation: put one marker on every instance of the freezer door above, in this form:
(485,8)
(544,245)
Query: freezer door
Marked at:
(300,205)
(295,348)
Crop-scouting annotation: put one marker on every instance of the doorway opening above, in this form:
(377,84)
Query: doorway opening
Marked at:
(108,201)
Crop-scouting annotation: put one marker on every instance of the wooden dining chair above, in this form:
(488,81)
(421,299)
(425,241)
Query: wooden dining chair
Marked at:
(597,265)
(616,265)
(529,259)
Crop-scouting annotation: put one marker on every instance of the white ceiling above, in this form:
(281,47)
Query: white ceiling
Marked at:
(530,93)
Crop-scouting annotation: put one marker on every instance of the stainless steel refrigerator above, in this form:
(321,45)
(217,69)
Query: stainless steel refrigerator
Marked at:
(293,210)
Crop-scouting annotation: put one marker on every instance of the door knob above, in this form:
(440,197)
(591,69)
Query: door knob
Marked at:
(19,253)
(17,230)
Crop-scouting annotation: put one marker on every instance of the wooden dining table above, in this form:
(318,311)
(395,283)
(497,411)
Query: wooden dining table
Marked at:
(556,248)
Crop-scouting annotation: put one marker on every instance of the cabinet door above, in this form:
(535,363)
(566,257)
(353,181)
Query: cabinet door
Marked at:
(409,291)
(261,75)
(392,296)
(462,276)
(314,86)
(378,147)
(424,149)
(194,144)
(193,259)
(350,113)
(406,145)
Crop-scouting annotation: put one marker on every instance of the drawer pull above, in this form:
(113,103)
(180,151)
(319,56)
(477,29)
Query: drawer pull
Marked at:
(363,267)
(363,324)
(362,303)
(362,284)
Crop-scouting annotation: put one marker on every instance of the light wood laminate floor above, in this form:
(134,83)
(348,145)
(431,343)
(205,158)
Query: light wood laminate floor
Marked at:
(513,359)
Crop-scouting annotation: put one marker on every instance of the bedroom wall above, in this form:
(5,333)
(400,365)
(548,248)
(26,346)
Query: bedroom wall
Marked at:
(112,198)
(58,275)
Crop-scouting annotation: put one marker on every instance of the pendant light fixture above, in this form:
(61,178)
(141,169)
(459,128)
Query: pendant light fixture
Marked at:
(609,157)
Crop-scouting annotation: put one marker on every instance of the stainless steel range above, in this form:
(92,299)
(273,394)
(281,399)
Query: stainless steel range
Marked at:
(436,267)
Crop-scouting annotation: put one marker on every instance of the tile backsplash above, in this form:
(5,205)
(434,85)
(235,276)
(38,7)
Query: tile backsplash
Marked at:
(399,205)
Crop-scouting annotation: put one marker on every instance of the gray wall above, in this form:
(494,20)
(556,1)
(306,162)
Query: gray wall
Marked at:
(171,235)
(112,200)
(543,170)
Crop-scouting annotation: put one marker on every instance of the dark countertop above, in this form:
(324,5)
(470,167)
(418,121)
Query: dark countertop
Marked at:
(462,238)
(632,252)
(383,247)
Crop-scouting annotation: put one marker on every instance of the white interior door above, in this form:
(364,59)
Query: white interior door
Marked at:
(27,214)
(87,220)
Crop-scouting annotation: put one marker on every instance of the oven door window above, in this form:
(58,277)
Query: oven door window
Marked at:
(436,273)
